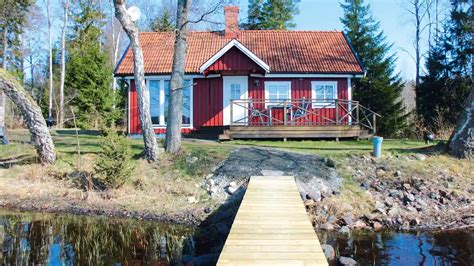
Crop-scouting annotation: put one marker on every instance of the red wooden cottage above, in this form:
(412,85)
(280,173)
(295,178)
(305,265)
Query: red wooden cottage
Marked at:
(254,83)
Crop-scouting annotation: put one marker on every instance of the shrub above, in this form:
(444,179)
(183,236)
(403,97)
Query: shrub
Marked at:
(114,166)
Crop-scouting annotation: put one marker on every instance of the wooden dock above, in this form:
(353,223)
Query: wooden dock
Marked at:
(272,227)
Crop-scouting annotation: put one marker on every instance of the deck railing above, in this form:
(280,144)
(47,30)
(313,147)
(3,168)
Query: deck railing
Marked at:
(302,112)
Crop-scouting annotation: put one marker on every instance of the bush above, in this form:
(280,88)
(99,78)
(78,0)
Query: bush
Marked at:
(114,166)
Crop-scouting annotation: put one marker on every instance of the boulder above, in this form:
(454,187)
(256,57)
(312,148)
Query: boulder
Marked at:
(377,226)
(358,225)
(344,230)
(328,251)
(331,219)
(314,195)
(347,261)
(379,205)
(408,197)
(420,157)
(327,226)
(192,199)
(348,219)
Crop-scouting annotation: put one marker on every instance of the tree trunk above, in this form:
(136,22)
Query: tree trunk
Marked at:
(151,146)
(50,47)
(63,64)
(175,106)
(4,66)
(461,143)
(32,115)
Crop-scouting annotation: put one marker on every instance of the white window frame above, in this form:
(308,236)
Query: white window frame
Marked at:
(267,93)
(314,102)
(162,80)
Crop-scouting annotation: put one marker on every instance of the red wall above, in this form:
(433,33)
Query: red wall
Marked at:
(208,100)
(234,60)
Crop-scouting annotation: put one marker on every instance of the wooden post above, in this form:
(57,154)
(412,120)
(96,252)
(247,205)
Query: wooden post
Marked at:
(336,106)
(374,118)
(357,113)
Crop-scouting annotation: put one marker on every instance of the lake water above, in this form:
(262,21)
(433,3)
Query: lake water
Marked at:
(34,238)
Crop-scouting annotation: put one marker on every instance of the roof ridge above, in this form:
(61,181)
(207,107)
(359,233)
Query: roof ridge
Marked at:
(251,31)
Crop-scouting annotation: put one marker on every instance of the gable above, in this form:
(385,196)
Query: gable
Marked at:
(234,60)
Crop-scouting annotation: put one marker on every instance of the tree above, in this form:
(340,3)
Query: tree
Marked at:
(32,115)
(12,17)
(50,50)
(446,85)
(173,126)
(461,142)
(151,146)
(163,23)
(271,14)
(89,68)
(381,88)
(65,5)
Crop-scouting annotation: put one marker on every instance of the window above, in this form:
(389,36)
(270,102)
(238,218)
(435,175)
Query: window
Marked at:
(159,96)
(186,101)
(235,91)
(324,93)
(277,92)
(154,87)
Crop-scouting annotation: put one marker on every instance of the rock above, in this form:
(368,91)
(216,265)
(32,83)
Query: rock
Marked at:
(266,172)
(415,222)
(358,225)
(347,261)
(379,205)
(408,197)
(314,195)
(191,160)
(365,185)
(420,157)
(377,226)
(231,190)
(212,182)
(406,186)
(233,184)
(397,174)
(328,251)
(394,211)
(331,219)
(344,230)
(208,210)
(192,199)
(348,219)
(327,226)
(395,193)
(379,172)
(329,162)
(389,201)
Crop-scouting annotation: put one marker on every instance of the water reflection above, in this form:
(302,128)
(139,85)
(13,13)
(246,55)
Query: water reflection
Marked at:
(398,248)
(27,239)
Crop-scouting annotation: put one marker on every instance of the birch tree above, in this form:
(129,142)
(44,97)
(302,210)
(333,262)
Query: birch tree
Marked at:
(151,145)
(65,5)
(50,48)
(175,112)
(32,115)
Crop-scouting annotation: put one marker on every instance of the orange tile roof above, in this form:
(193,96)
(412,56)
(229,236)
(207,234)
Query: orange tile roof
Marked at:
(284,51)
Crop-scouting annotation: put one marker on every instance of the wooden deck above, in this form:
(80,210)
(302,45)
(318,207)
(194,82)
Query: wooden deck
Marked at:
(279,132)
(272,227)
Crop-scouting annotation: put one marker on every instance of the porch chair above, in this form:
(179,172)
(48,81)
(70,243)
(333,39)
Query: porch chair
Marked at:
(254,112)
(302,111)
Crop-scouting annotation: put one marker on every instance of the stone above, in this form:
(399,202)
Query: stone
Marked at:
(347,261)
(208,210)
(192,199)
(266,172)
(394,211)
(331,219)
(191,160)
(348,219)
(379,172)
(233,184)
(415,222)
(420,157)
(377,226)
(314,195)
(231,190)
(397,174)
(365,185)
(389,201)
(406,186)
(379,205)
(327,226)
(329,251)
(408,197)
(344,230)
(358,225)
(395,193)
(212,182)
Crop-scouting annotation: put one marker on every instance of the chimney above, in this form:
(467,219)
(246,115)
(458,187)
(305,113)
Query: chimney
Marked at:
(231,22)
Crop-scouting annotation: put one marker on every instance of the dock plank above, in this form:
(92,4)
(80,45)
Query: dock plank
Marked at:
(272,227)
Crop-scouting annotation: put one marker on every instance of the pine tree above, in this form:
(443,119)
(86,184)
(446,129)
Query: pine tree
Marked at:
(443,89)
(89,69)
(381,88)
(271,14)
(163,23)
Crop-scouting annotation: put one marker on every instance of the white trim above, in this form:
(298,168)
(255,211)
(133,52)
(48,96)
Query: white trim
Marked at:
(349,97)
(267,83)
(290,75)
(313,93)
(242,48)
(162,80)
